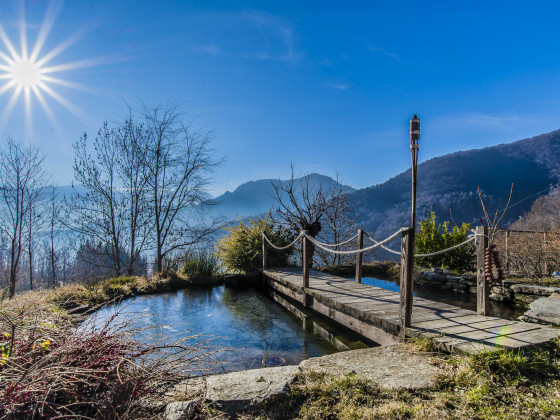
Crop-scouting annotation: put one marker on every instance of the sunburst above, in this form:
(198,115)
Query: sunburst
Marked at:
(29,73)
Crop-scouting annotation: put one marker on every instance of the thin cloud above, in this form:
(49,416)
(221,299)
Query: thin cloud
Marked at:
(339,86)
(390,54)
(479,120)
(258,36)
(212,50)
(277,35)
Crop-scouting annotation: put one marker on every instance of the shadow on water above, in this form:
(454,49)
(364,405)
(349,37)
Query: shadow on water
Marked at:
(245,320)
(461,300)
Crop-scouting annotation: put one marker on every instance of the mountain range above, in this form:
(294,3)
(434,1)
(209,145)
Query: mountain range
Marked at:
(259,197)
(445,183)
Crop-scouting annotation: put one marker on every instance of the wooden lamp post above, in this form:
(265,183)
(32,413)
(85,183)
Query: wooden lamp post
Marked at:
(407,242)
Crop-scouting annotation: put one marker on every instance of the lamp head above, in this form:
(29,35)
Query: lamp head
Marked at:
(414,129)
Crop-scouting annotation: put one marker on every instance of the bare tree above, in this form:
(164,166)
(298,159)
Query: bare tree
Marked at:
(20,175)
(303,205)
(99,212)
(134,174)
(37,199)
(180,165)
(339,225)
(55,243)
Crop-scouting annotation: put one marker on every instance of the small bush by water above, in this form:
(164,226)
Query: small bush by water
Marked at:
(200,263)
(240,250)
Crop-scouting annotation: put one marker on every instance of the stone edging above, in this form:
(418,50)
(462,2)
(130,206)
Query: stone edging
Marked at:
(390,367)
(510,292)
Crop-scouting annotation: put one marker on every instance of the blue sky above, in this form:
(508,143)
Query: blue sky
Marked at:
(326,85)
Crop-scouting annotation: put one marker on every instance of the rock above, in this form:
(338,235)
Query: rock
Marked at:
(533,289)
(455,286)
(190,389)
(499,297)
(390,367)
(447,271)
(521,298)
(467,280)
(181,410)
(504,293)
(543,310)
(433,277)
(250,389)
(438,270)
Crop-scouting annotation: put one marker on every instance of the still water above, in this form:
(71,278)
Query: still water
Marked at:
(461,300)
(244,320)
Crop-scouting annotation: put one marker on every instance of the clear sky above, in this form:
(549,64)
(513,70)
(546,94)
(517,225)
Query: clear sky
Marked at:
(329,86)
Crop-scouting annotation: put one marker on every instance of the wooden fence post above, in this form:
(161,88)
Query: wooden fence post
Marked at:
(407,282)
(305,266)
(264,253)
(507,251)
(359,256)
(545,254)
(482,286)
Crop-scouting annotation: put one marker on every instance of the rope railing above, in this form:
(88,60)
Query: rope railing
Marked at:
(356,251)
(443,251)
(340,243)
(382,246)
(376,244)
(280,248)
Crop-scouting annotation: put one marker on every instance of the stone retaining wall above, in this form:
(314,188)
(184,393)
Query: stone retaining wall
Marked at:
(510,292)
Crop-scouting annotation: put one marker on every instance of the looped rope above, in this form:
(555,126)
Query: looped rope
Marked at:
(280,248)
(377,244)
(382,246)
(433,254)
(357,251)
(340,243)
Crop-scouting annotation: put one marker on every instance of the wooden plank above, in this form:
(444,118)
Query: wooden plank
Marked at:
(263,252)
(445,322)
(406,283)
(359,257)
(482,286)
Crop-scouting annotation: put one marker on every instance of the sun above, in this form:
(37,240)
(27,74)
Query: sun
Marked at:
(30,73)
(26,73)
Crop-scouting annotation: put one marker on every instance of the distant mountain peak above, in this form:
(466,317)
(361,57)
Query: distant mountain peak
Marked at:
(258,196)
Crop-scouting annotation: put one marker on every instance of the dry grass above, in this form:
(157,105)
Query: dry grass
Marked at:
(74,295)
(492,385)
(51,369)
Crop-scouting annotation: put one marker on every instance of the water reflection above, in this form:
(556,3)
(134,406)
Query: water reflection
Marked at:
(461,300)
(242,319)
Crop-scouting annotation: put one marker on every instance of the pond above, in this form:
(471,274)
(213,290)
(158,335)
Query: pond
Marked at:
(243,319)
(461,300)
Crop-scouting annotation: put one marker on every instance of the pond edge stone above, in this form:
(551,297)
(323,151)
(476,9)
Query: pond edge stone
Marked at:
(390,367)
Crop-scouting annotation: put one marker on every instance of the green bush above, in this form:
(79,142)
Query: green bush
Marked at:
(240,250)
(431,238)
(199,263)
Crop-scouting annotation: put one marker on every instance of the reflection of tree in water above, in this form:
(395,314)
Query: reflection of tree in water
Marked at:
(271,328)
(248,308)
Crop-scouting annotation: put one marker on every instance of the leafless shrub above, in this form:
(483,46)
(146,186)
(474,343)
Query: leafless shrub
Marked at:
(530,254)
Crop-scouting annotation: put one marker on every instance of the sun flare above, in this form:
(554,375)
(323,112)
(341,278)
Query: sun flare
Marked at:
(26,73)
(29,73)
